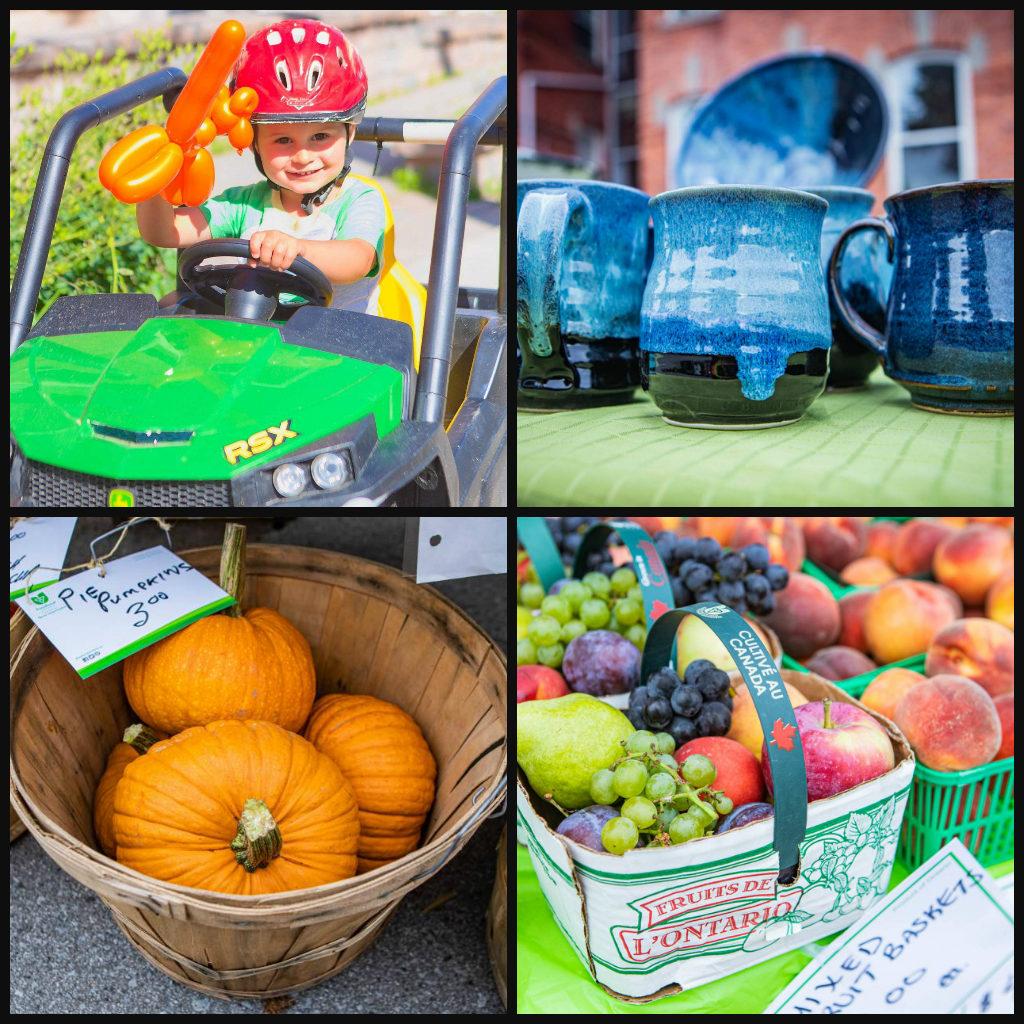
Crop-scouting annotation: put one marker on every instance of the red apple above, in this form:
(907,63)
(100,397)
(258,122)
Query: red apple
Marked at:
(538,682)
(843,747)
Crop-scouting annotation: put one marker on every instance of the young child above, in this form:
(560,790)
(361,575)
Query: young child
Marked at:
(312,90)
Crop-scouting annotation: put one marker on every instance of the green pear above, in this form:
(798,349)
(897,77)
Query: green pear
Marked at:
(562,741)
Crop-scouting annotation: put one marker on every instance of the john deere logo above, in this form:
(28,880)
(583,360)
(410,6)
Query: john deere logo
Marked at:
(258,443)
(121,499)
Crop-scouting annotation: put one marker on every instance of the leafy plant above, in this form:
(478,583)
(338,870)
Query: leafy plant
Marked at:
(96,246)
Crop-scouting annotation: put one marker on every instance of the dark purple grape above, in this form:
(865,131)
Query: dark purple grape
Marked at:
(706,595)
(713,683)
(756,587)
(682,730)
(709,551)
(584,826)
(698,578)
(756,556)
(687,701)
(744,815)
(686,548)
(732,566)
(740,606)
(729,592)
(638,696)
(726,699)
(572,543)
(663,682)
(601,662)
(559,585)
(777,576)
(658,713)
(680,594)
(573,523)
(714,719)
(695,668)
(636,717)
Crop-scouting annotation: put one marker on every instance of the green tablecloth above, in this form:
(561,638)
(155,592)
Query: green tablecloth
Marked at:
(551,979)
(866,448)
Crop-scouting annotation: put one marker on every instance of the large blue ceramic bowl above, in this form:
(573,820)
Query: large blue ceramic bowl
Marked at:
(808,119)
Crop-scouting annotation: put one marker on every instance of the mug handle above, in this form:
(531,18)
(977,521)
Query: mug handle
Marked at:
(545,219)
(862,331)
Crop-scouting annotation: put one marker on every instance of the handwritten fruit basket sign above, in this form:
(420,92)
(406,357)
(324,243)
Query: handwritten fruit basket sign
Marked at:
(658,921)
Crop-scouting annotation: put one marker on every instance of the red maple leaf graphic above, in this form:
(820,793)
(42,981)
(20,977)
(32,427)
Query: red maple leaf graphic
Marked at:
(782,735)
(658,608)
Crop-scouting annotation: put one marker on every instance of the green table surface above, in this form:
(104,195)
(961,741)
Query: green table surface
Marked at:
(863,448)
(551,979)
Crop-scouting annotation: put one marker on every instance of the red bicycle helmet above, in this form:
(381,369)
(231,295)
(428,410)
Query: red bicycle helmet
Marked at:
(303,71)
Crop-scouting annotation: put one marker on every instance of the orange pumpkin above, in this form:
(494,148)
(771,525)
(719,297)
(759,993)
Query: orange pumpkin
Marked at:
(237,807)
(227,666)
(256,666)
(381,751)
(137,740)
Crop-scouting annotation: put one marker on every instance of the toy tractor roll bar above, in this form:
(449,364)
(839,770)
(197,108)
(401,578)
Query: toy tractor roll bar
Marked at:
(482,123)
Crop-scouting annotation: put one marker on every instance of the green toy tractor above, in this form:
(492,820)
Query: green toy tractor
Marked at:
(229,398)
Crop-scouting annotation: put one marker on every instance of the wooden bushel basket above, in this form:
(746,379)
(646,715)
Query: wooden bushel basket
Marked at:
(20,625)
(372,631)
(497,920)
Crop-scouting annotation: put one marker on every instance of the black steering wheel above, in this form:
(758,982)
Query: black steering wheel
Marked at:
(249,293)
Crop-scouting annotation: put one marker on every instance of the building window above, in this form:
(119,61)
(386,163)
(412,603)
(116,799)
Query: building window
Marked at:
(931,138)
(689,17)
(586,37)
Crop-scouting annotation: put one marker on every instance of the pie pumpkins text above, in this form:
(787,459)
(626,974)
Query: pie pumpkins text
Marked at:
(382,753)
(244,808)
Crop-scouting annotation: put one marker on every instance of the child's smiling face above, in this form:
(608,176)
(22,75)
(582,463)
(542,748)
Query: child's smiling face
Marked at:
(302,157)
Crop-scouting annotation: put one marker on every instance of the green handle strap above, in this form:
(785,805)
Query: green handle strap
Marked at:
(764,681)
(650,569)
(538,543)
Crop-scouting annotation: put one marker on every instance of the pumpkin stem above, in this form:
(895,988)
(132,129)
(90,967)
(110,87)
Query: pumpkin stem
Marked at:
(232,566)
(139,736)
(258,840)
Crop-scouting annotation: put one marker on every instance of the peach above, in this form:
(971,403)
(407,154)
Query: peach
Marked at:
(951,595)
(852,607)
(951,723)
(1004,708)
(652,524)
(840,663)
(746,726)
(972,559)
(915,544)
(979,649)
(903,618)
(719,527)
(806,616)
(781,534)
(999,600)
(886,690)
(881,535)
(867,572)
(835,541)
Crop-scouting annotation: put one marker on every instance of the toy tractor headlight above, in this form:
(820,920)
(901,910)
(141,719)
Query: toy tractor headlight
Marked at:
(289,480)
(330,471)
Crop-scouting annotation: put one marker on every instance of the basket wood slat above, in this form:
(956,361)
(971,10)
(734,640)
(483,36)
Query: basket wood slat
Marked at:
(371,631)
(20,625)
(497,922)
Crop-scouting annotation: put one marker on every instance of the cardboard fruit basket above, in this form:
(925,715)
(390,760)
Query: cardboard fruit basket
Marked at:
(659,921)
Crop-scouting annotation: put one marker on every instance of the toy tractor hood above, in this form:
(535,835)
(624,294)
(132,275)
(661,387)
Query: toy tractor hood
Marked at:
(170,398)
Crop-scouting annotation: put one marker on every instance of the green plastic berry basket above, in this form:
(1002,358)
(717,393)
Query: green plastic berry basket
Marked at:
(856,685)
(974,806)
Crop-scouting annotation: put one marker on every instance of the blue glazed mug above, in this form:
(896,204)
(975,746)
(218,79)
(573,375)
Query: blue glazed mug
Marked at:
(581,263)
(735,330)
(948,335)
(865,280)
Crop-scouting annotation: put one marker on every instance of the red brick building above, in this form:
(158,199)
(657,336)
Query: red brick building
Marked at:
(947,77)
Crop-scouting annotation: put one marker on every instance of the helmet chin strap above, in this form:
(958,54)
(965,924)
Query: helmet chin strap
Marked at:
(316,198)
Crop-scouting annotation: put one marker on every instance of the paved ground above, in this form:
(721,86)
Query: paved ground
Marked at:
(68,956)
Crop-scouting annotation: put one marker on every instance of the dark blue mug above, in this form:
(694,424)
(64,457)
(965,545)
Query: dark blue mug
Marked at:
(581,264)
(865,280)
(948,336)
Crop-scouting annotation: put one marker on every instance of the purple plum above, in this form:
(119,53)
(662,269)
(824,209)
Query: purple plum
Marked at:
(601,662)
(744,815)
(584,826)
